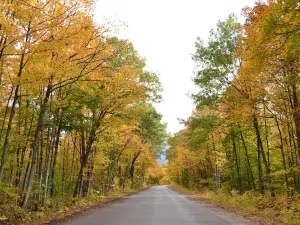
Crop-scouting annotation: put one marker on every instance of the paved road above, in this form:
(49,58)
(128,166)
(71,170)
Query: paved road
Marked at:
(156,206)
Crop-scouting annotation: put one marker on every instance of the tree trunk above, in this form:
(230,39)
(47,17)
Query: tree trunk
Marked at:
(239,179)
(248,160)
(282,155)
(8,131)
(12,112)
(135,157)
(5,114)
(216,178)
(85,157)
(55,153)
(296,115)
(259,153)
(36,142)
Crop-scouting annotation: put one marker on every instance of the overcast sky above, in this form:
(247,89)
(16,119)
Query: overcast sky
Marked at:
(164,32)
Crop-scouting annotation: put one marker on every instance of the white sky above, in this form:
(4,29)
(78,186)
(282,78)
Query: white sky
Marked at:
(164,32)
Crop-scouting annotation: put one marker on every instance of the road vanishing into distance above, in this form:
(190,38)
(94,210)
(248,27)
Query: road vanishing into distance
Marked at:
(157,206)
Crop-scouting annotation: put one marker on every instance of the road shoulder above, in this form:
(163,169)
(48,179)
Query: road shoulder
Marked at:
(60,218)
(230,215)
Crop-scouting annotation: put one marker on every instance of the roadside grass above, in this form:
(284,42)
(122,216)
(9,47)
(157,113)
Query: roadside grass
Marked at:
(11,213)
(261,208)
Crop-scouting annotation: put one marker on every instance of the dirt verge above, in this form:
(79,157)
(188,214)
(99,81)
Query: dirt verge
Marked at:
(226,213)
(73,213)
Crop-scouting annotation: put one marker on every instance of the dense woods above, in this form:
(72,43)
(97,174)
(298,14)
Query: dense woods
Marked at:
(245,132)
(78,119)
(76,113)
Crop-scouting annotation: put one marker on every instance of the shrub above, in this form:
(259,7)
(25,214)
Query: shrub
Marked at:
(9,209)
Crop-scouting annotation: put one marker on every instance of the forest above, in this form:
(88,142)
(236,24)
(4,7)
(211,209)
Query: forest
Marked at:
(77,115)
(79,124)
(243,138)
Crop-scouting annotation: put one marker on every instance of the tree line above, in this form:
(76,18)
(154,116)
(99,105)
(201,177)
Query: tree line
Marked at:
(76,113)
(245,131)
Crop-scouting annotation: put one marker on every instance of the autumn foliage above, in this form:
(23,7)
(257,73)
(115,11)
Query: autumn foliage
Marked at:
(75,108)
(245,132)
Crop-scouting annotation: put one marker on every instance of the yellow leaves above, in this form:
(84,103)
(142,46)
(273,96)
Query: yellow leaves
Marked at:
(205,111)
(183,159)
(279,173)
(156,171)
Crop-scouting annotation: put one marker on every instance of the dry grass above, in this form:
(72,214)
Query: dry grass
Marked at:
(10,213)
(263,208)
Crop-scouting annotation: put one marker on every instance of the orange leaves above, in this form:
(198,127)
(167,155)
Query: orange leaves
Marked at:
(182,159)
(156,171)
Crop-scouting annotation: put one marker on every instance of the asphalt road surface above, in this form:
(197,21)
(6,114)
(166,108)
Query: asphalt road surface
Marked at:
(157,206)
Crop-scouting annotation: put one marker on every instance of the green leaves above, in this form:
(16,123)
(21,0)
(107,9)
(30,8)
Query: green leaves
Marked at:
(153,86)
(152,130)
(216,62)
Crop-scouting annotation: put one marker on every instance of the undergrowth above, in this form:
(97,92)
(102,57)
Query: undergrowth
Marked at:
(265,208)
(11,213)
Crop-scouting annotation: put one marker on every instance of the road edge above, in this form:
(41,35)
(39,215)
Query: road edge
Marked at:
(62,217)
(217,208)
